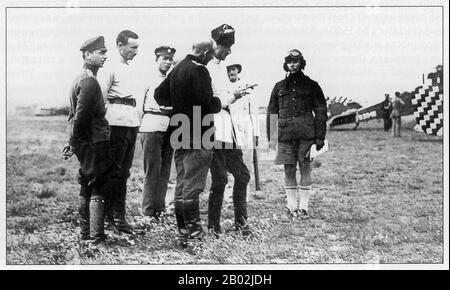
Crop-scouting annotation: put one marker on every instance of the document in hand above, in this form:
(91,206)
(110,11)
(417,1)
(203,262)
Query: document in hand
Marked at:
(313,152)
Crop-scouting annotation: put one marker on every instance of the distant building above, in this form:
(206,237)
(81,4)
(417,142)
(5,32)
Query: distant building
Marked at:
(25,110)
(40,111)
(45,111)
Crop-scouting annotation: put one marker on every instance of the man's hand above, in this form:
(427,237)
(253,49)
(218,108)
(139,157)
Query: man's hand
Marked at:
(67,151)
(319,144)
(239,94)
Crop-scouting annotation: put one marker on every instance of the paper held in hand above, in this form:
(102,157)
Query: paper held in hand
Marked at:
(313,152)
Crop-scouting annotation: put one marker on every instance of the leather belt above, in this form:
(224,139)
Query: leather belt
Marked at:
(123,101)
(161,113)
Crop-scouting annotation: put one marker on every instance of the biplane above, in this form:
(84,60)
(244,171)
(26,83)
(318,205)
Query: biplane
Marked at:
(425,102)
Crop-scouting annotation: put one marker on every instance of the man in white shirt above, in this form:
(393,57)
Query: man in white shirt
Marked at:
(243,113)
(155,140)
(119,90)
(227,154)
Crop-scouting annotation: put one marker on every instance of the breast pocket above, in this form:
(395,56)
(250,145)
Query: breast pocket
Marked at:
(283,99)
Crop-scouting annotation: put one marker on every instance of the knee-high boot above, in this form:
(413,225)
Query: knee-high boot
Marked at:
(109,214)
(119,205)
(214,210)
(191,213)
(83,210)
(179,215)
(240,210)
(97,211)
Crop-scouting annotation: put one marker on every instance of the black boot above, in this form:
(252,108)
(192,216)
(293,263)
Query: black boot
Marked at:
(109,215)
(191,213)
(119,205)
(83,210)
(97,210)
(179,213)
(122,225)
(240,211)
(214,211)
(182,236)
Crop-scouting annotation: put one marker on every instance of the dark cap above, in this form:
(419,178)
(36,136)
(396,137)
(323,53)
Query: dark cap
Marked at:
(386,95)
(165,50)
(94,43)
(223,35)
(294,54)
(236,65)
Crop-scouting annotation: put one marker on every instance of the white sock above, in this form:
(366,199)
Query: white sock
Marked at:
(304,193)
(291,193)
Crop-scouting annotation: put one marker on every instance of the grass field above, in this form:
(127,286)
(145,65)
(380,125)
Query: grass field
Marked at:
(377,200)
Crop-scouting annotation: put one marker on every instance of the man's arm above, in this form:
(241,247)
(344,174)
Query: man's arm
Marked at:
(203,91)
(82,113)
(271,110)
(320,112)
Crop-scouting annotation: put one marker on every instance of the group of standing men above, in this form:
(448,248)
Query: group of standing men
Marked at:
(106,116)
(392,113)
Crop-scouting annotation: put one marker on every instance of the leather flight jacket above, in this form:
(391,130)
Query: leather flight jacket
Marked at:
(301,108)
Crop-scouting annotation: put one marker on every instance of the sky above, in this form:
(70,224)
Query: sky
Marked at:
(360,53)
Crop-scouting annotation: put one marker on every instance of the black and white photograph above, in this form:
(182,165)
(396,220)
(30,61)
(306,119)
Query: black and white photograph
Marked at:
(224,135)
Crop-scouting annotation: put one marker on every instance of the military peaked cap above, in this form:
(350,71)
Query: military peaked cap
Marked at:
(94,43)
(165,50)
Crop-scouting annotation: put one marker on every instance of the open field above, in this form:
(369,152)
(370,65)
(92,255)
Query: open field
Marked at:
(378,200)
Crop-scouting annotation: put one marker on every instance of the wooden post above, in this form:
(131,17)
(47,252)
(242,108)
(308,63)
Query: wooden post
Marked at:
(256,169)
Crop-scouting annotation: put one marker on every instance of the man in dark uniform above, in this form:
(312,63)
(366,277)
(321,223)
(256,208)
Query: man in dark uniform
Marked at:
(89,141)
(387,108)
(302,114)
(192,99)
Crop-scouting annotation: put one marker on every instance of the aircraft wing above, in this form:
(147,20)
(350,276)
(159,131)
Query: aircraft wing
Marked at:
(357,115)
(347,117)
(369,113)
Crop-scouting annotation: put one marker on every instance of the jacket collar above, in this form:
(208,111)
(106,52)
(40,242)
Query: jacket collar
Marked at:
(91,70)
(295,76)
(194,59)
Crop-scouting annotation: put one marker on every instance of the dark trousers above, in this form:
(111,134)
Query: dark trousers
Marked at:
(157,164)
(224,161)
(123,140)
(387,122)
(192,169)
(95,186)
(95,167)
